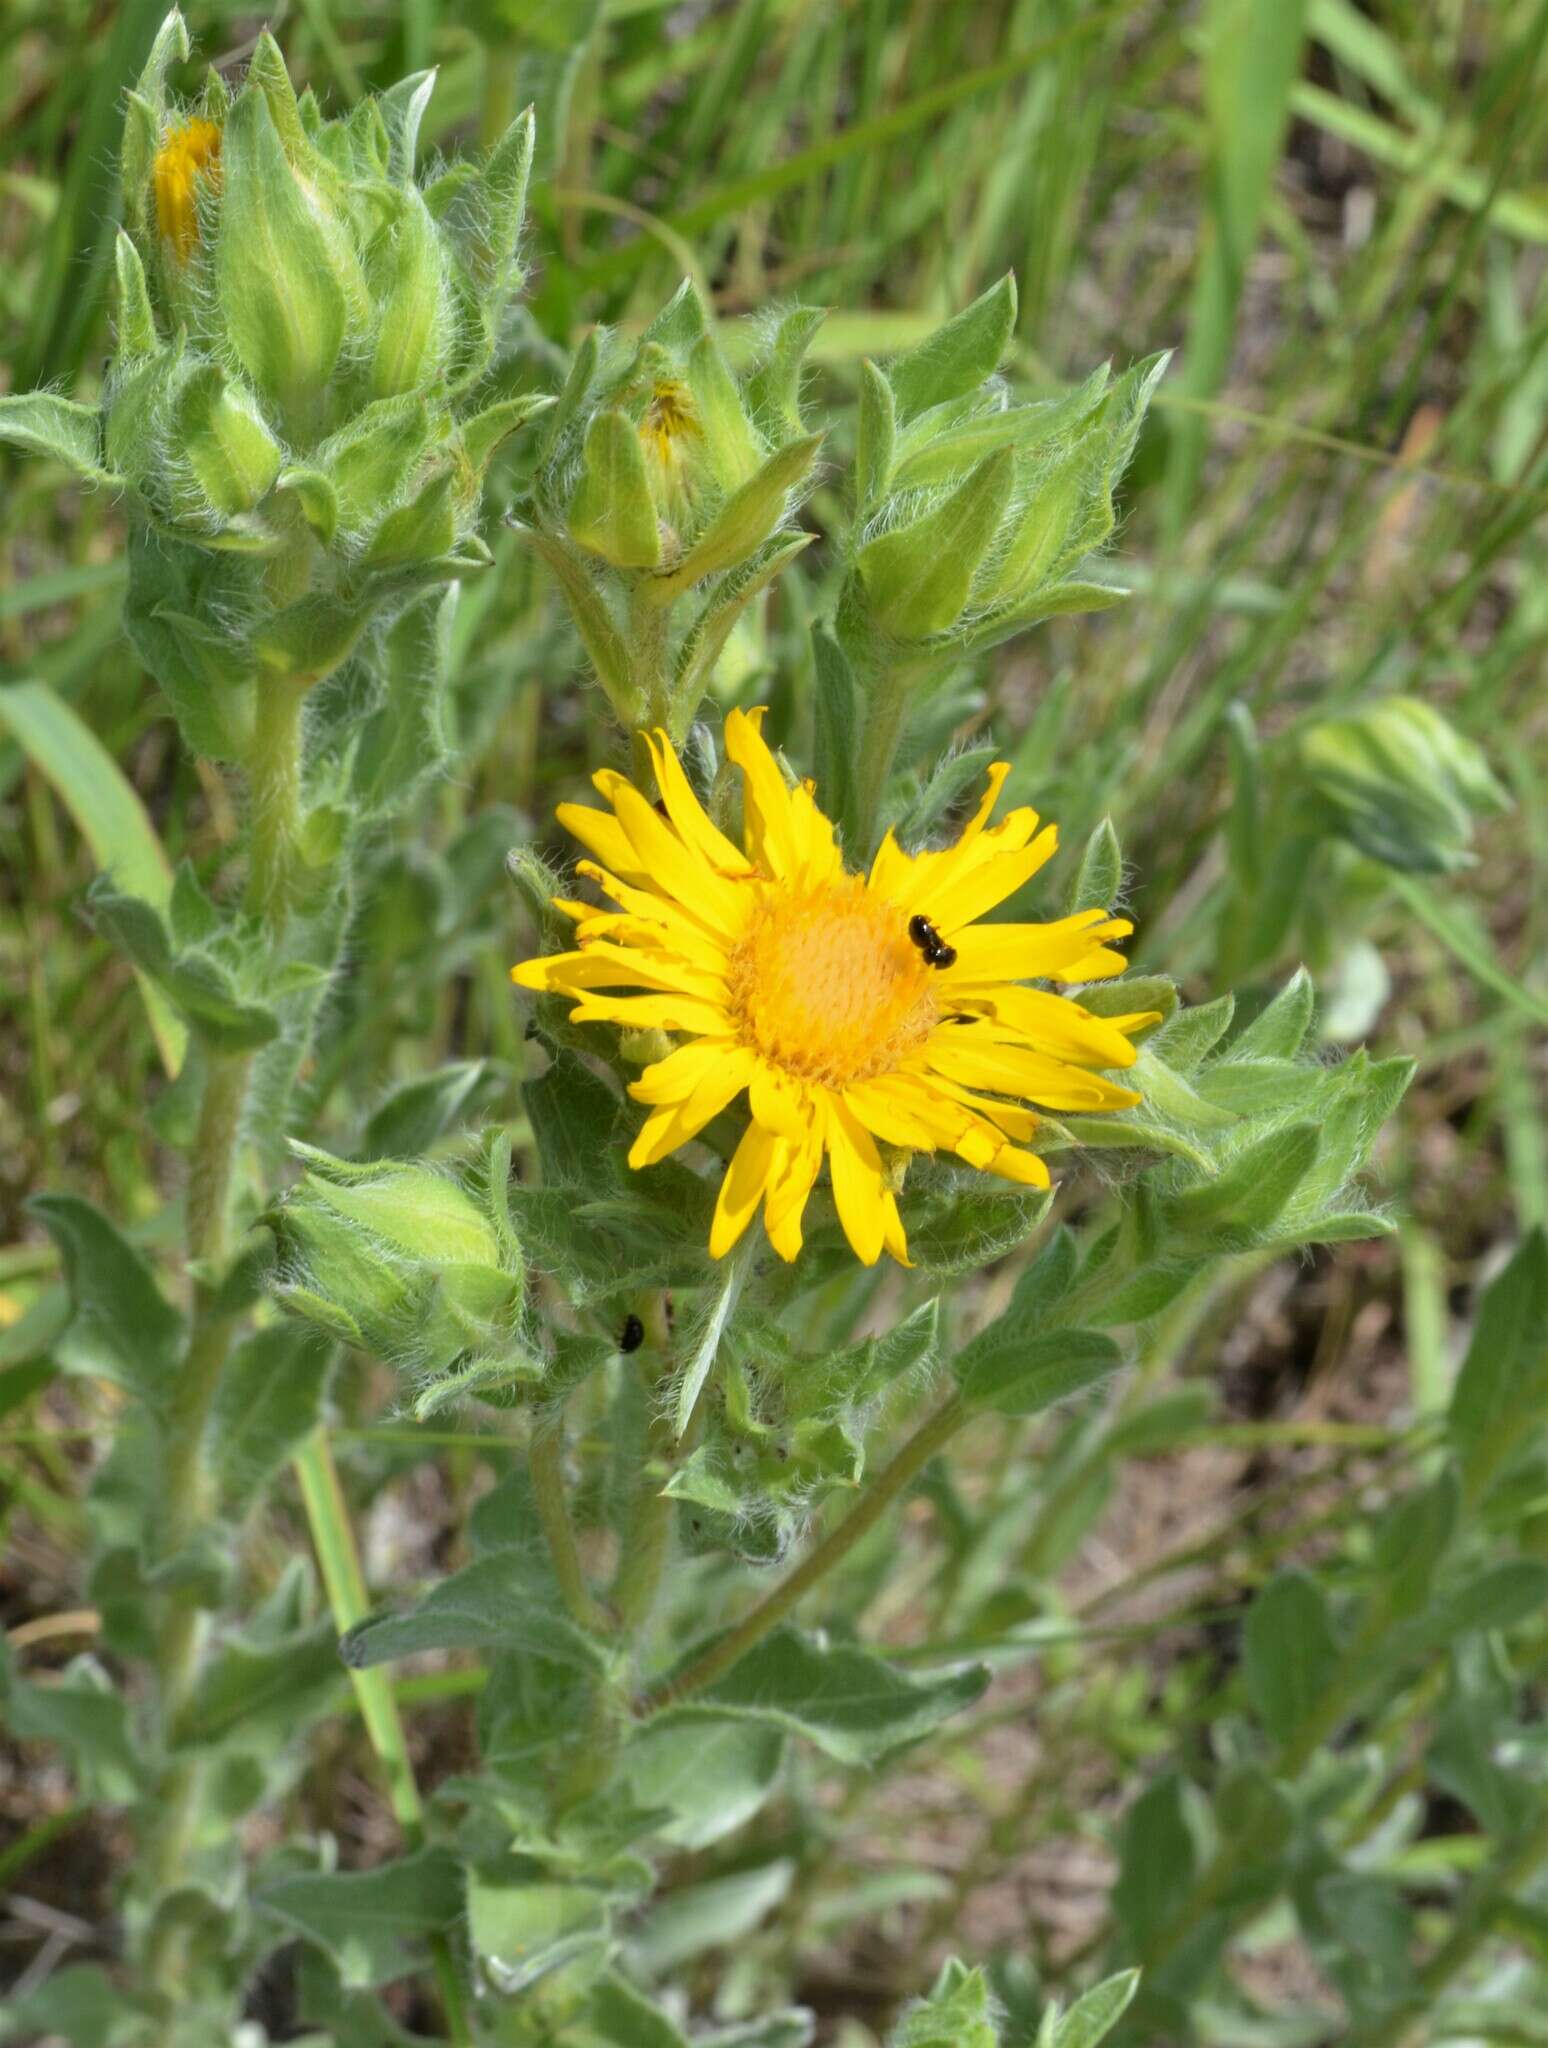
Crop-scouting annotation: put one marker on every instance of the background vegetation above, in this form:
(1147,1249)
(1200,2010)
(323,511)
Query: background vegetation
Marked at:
(1337,214)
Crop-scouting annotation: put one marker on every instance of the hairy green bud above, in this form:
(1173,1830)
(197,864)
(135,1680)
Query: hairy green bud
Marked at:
(299,329)
(663,502)
(1403,784)
(400,1260)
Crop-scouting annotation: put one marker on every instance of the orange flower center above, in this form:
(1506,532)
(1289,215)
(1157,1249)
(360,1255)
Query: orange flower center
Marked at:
(188,154)
(828,985)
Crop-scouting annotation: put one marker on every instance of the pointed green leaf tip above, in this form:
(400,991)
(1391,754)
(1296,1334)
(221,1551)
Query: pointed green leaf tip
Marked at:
(958,357)
(613,513)
(919,577)
(137,334)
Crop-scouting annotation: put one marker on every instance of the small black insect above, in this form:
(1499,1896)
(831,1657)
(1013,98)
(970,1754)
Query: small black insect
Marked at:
(930,943)
(632,1335)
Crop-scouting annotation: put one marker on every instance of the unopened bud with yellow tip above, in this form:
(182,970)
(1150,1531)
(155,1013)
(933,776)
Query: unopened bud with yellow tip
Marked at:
(290,413)
(665,498)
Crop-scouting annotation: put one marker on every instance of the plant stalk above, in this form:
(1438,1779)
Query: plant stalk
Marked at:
(274,797)
(932,1436)
(184,1480)
(545,1466)
(333,1539)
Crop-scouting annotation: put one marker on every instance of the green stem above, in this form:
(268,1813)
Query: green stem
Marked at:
(648,623)
(184,1482)
(545,1466)
(887,691)
(274,795)
(333,1538)
(931,1436)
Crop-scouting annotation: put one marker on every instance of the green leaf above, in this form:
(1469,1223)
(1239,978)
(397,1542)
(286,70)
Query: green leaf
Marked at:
(79,2004)
(259,1696)
(774,388)
(501,1601)
(1100,876)
(1019,1367)
(525,1929)
(1279,1030)
(957,2014)
(745,521)
(371,1924)
(416,1115)
(876,434)
(1501,1393)
(622,2017)
(853,1705)
(959,356)
(195,981)
(80,1713)
(1092,2018)
(1242,1203)
(268,1400)
(705,642)
(122,1328)
(1159,1856)
(574,1116)
(57,428)
(711,1775)
(1500,1596)
(111,819)
(835,727)
(918,577)
(1291,1653)
(612,512)
(716,1914)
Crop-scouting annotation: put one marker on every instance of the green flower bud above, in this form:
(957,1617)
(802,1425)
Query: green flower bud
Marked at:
(1403,784)
(280,268)
(300,329)
(665,477)
(399,1260)
(973,515)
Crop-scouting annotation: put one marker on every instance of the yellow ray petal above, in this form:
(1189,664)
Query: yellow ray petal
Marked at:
(858,1187)
(770,832)
(989,954)
(709,898)
(742,1189)
(653,1013)
(673,1124)
(1016,1070)
(601,834)
(1055,1025)
(675,1078)
(693,822)
(790,1184)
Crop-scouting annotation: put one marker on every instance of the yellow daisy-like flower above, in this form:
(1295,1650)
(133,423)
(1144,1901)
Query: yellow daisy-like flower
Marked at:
(188,154)
(850,1008)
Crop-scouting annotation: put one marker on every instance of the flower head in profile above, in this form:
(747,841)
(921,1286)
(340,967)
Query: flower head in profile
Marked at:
(849,1008)
(187,154)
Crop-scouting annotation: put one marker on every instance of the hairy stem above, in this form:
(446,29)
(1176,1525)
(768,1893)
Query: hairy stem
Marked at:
(274,796)
(887,694)
(932,1435)
(545,1465)
(333,1538)
(184,1484)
